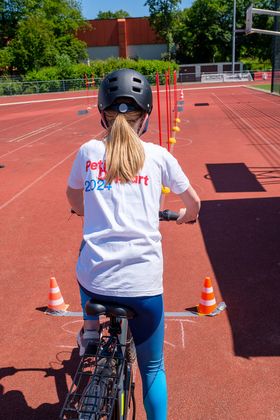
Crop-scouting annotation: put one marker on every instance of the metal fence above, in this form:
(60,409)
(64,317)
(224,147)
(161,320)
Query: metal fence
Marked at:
(18,87)
(15,86)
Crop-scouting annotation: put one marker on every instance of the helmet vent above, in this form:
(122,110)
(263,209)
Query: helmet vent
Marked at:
(113,88)
(113,79)
(135,79)
(135,89)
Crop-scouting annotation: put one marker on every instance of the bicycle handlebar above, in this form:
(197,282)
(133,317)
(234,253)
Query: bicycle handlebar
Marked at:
(164,215)
(167,215)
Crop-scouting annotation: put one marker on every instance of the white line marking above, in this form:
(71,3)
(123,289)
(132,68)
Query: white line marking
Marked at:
(182,334)
(170,344)
(40,138)
(36,101)
(248,125)
(36,180)
(64,326)
(213,87)
(39,179)
(32,133)
(71,98)
(258,92)
(67,347)
(181,320)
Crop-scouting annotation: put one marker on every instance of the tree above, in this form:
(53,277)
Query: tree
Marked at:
(5,59)
(163,18)
(202,35)
(119,14)
(10,14)
(204,32)
(43,30)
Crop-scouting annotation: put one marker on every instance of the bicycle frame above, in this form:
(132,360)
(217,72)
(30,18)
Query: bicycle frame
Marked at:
(89,394)
(103,383)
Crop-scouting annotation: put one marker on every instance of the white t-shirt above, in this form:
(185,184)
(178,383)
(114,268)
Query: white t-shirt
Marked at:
(122,255)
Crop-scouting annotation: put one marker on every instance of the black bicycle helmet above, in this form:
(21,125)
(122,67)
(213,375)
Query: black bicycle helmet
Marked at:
(125,83)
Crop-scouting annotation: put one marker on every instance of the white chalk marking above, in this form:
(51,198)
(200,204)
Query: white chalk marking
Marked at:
(32,133)
(39,179)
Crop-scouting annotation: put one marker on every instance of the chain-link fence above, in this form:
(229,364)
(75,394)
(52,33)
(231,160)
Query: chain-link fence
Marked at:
(17,87)
(275,84)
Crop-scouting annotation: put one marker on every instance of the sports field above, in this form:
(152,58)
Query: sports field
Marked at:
(223,367)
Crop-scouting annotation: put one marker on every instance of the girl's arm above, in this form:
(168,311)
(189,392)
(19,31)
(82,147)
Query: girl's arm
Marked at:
(76,200)
(192,203)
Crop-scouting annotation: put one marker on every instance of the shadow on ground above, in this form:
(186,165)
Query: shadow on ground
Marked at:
(13,403)
(242,238)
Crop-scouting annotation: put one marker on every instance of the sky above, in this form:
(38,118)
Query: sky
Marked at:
(135,8)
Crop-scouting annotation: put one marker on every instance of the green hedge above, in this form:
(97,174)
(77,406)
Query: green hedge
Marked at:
(255,65)
(71,77)
(99,68)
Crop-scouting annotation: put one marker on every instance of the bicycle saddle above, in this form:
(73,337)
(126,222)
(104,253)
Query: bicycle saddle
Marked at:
(109,309)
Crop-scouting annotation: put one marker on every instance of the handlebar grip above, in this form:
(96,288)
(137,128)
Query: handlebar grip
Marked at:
(168,215)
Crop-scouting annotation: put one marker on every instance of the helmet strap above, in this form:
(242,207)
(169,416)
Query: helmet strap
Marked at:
(144,126)
(103,121)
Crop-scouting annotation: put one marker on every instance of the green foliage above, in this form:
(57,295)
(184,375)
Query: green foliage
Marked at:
(119,14)
(5,59)
(99,68)
(256,65)
(42,30)
(163,18)
(204,32)
(11,12)
(52,79)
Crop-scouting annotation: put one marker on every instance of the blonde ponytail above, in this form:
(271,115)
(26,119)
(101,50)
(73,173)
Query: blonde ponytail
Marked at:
(124,151)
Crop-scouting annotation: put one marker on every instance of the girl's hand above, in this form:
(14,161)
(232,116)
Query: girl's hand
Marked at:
(185,217)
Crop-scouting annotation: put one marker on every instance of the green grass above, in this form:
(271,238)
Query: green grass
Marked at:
(264,87)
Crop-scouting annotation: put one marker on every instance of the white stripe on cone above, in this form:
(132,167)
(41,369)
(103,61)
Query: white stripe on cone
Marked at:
(54,289)
(56,302)
(208,302)
(208,289)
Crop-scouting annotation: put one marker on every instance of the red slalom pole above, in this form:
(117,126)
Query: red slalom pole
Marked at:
(175,94)
(159,115)
(170,100)
(86,80)
(167,110)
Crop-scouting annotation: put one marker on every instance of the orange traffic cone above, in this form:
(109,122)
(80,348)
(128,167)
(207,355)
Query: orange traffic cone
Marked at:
(56,301)
(207,302)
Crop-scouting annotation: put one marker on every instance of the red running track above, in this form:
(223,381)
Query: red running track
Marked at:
(221,367)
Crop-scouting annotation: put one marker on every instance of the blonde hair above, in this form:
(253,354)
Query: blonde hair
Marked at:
(125,154)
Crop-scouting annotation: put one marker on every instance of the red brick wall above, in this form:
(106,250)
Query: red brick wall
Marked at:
(106,32)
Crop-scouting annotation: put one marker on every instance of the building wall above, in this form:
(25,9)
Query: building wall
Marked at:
(130,37)
(147,52)
(101,33)
(101,53)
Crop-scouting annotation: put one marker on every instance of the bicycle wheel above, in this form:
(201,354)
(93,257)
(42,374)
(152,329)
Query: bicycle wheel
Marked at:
(97,400)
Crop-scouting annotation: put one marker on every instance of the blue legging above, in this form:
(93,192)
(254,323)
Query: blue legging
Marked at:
(147,329)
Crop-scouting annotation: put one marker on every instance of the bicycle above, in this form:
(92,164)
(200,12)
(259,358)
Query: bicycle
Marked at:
(103,386)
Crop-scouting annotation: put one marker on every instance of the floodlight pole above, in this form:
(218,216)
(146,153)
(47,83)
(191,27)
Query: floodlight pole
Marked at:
(233,36)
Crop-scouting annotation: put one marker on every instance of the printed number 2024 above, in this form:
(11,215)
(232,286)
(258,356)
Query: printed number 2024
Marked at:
(98,185)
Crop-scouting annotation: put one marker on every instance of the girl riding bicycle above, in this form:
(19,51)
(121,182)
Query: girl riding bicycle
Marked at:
(116,184)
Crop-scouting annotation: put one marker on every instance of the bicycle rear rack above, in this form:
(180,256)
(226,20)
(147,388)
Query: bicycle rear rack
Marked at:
(94,389)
